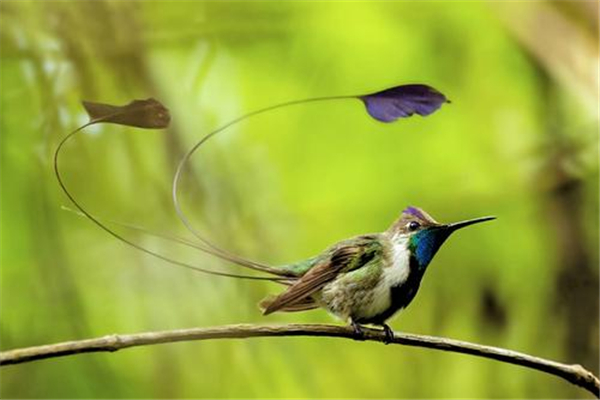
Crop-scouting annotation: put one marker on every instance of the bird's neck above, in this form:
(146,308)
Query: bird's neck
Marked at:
(405,270)
(399,245)
(424,244)
(417,249)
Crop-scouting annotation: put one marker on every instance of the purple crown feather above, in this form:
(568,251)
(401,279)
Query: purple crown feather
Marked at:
(414,212)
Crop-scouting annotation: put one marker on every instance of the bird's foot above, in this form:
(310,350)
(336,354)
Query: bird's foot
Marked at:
(389,334)
(359,334)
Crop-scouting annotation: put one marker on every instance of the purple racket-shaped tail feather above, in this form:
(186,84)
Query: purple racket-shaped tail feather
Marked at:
(403,101)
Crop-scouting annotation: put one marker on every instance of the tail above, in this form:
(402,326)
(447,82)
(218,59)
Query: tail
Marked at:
(302,305)
(99,110)
(222,254)
(151,114)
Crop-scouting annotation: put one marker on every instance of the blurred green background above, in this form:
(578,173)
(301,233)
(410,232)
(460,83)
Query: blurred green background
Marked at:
(519,141)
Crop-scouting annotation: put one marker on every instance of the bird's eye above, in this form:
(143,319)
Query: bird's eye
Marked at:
(413,225)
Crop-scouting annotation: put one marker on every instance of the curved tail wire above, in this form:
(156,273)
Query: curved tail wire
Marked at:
(178,173)
(101,225)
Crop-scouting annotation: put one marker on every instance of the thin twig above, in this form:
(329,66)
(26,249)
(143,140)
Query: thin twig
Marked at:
(574,373)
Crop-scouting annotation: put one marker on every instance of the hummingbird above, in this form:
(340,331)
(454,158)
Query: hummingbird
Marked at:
(366,279)
(363,280)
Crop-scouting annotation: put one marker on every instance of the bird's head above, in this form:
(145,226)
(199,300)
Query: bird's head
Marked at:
(425,235)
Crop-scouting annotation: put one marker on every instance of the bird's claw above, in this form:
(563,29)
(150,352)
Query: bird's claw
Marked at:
(359,334)
(389,334)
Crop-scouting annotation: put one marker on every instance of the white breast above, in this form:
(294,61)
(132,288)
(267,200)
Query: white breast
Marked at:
(393,275)
(398,272)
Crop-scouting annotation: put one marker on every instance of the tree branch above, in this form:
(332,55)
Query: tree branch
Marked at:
(575,373)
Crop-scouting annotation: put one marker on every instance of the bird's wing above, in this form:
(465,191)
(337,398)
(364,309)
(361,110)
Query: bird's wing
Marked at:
(344,257)
(305,304)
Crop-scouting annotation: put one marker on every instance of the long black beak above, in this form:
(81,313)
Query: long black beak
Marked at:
(458,225)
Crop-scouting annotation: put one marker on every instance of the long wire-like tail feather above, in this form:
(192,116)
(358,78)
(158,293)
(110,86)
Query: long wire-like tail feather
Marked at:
(188,155)
(129,242)
(176,239)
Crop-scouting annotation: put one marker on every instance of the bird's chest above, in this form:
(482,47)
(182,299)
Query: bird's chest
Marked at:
(387,293)
(375,293)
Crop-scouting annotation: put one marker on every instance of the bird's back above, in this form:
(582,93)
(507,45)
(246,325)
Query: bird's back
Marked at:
(299,268)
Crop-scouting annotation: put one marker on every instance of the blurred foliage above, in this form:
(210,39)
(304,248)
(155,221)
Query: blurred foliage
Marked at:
(519,141)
